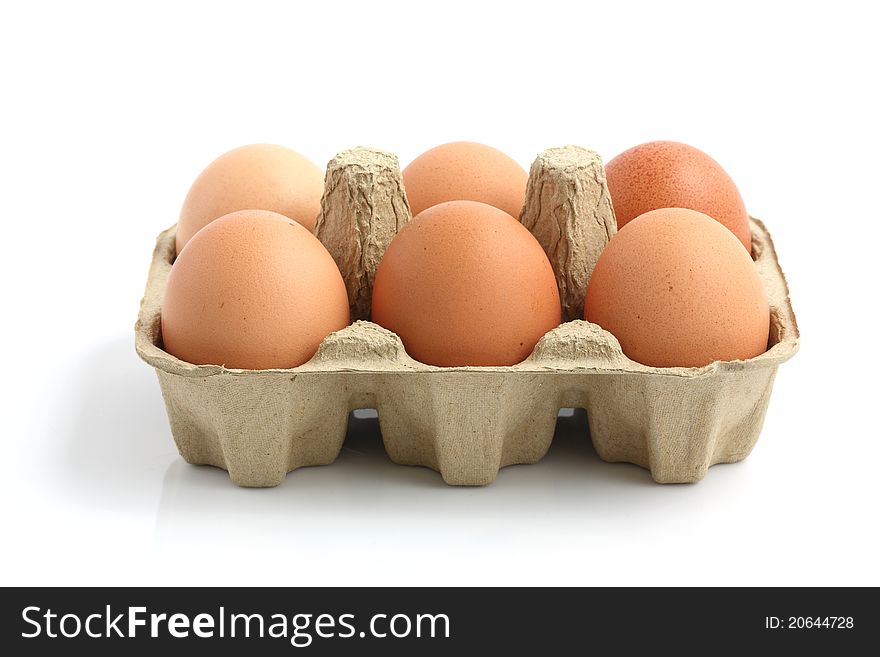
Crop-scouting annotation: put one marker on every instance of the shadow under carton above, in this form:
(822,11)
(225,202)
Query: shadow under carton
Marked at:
(467,422)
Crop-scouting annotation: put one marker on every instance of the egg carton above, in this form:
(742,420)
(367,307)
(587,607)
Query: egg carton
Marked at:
(467,422)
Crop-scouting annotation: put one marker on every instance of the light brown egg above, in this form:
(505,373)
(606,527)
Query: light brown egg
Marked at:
(667,174)
(465,170)
(254,177)
(252,290)
(464,283)
(676,289)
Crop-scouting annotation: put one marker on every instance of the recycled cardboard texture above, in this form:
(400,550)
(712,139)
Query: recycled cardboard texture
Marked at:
(568,210)
(357,227)
(466,422)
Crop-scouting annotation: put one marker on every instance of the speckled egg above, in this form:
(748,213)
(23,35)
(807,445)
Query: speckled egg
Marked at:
(464,283)
(668,174)
(676,288)
(468,171)
(254,177)
(252,290)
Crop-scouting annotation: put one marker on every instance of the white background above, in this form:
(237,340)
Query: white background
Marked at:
(107,115)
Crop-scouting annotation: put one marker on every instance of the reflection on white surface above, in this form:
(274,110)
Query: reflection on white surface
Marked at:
(116,441)
(362,518)
(365,518)
(122,506)
(365,482)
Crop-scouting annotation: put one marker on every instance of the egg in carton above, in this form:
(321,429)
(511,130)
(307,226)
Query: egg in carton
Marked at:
(467,422)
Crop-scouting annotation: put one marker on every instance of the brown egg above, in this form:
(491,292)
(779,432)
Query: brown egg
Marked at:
(667,174)
(676,289)
(252,290)
(259,177)
(465,283)
(465,171)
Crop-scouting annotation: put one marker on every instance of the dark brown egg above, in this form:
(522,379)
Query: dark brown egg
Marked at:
(667,174)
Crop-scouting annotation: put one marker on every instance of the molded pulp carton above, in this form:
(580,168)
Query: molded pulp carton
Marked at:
(467,422)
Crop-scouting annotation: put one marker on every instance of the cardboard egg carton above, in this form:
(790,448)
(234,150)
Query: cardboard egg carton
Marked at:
(467,422)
